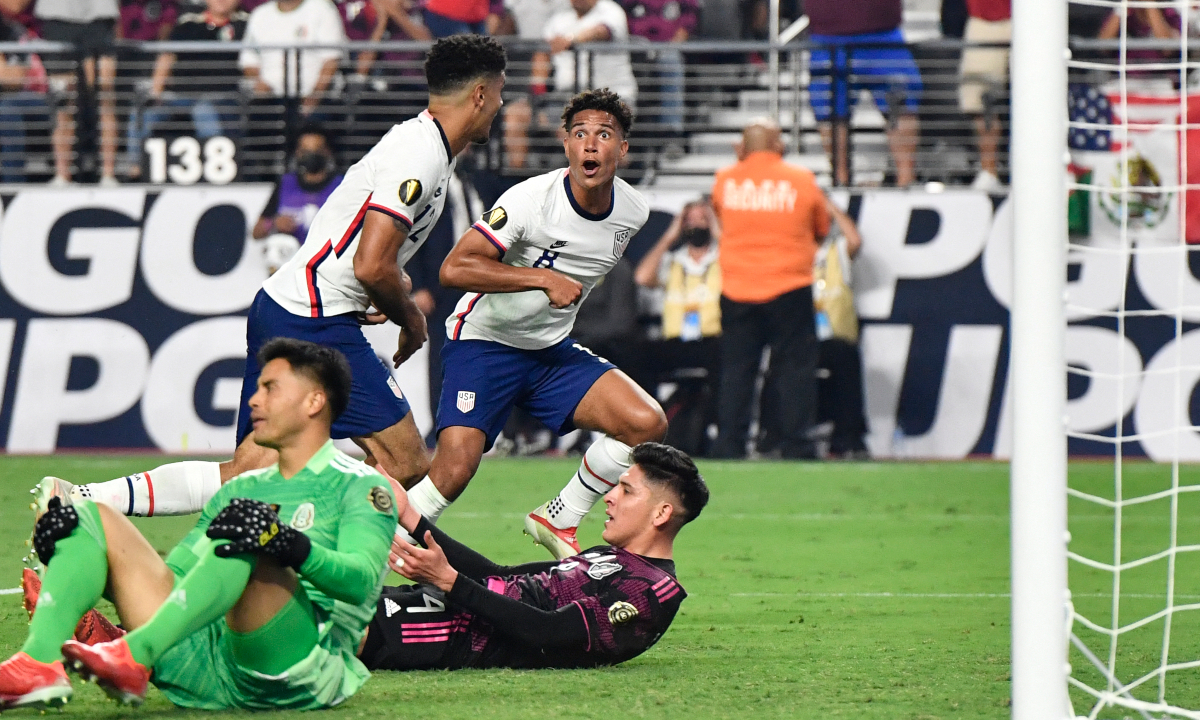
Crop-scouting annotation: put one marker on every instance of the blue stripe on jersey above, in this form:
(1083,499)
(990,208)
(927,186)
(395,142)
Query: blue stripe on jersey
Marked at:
(482,228)
(314,293)
(393,213)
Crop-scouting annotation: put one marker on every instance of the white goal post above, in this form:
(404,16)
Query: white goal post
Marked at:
(1038,322)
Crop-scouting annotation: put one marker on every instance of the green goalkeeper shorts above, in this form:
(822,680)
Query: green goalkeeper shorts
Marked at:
(200,671)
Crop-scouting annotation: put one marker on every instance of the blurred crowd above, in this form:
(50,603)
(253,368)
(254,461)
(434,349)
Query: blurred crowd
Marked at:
(95,107)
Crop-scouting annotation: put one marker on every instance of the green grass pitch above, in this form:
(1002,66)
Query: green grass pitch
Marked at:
(858,590)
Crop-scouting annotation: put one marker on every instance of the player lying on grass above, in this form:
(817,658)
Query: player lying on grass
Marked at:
(603,607)
(526,267)
(246,611)
(357,245)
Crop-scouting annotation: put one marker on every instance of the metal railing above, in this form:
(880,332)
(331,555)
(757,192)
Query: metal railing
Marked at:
(692,99)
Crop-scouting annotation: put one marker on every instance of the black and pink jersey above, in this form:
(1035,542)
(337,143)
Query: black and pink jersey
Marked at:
(602,607)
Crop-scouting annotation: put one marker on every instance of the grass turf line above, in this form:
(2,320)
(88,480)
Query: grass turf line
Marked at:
(787,572)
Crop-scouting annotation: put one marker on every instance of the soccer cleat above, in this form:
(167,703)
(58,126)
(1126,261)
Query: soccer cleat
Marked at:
(49,487)
(93,628)
(560,543)
(111,666)
(26,682)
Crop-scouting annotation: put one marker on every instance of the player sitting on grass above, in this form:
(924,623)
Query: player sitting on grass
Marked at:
(526,266)
(603,607)
(247,611)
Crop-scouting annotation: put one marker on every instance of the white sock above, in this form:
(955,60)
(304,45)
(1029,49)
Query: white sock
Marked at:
(178,488)
(425,499)
(602,466)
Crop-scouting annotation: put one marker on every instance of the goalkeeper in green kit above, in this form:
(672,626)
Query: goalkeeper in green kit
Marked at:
(265,601)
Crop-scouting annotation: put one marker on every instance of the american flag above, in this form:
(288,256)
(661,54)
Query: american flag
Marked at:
(1089,105)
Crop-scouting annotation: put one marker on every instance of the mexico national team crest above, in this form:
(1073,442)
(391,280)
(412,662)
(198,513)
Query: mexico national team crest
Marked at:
(466,401)
(410,191)
(304,517)
(620,242)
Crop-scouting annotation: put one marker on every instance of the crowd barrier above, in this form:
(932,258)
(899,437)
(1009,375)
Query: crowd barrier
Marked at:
(122,316)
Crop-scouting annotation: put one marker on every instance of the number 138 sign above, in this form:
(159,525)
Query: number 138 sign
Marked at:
(215,164)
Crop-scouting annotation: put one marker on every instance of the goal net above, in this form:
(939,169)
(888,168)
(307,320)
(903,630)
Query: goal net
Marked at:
(1133,359)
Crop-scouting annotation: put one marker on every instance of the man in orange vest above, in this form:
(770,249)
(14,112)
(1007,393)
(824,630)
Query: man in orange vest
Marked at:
(772,215)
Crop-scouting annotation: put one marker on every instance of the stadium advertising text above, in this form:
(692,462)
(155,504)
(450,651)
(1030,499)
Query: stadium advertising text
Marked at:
(122,324)
(122,317)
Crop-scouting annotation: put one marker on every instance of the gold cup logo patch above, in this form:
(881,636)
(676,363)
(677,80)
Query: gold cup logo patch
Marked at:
(410,191)
(495,218)
(621,612)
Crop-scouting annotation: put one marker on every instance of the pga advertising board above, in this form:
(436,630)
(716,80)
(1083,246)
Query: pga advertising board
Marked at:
(122,324)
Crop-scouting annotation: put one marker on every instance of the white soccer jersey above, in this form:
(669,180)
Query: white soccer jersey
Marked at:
(405,175)
(537,223)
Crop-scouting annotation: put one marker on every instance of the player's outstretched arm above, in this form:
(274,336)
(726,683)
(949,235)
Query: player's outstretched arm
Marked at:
(376,267)
(474,266)
(464,560)
(542,629)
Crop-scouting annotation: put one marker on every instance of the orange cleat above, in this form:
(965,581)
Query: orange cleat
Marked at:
(31,587)
(25,682)
(561,543)
(93,627)
(111,666)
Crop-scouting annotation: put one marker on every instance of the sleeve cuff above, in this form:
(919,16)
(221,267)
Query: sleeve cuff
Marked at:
(487,233)
(393,213)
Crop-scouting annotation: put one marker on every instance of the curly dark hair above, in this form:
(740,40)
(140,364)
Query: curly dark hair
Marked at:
(601,99)
(666,466)
(326,366)
(457,60)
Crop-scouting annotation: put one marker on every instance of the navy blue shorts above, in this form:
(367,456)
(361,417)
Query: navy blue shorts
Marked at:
(482,381)
(375,399)
(884,71)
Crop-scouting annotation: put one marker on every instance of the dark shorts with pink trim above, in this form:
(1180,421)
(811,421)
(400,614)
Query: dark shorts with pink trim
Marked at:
(416,628)
(483,380)
(375,403)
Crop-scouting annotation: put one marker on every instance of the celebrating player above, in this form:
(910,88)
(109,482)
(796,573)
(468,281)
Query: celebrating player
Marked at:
(246,612)
(360,239)
(526,267)
(603,607)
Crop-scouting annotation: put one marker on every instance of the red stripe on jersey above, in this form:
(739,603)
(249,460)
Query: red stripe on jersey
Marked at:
(355,224)
(418,626)
(586,626)
(393,213)
(439,638)
(310,275)
(488,234)
(593,473)
(660,583)
(424,633)
(665,589)
(673,593)
(463,315)
(150,489)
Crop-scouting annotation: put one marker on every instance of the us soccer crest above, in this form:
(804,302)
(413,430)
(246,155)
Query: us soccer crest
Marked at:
(620,242)
(466,401)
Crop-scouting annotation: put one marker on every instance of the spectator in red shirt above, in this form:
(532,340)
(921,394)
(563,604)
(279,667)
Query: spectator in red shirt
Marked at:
(451,17)
(147,19)
(984,73)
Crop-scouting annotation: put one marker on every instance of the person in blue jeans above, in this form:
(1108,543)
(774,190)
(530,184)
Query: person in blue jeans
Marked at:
(24,99)
(15,110)
(860,47)
(203,85)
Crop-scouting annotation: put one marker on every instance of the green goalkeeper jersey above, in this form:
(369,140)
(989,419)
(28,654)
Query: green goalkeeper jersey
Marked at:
(347,510)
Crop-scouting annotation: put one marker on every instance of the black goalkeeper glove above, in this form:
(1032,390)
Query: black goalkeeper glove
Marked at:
(55,524)
(252,526)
